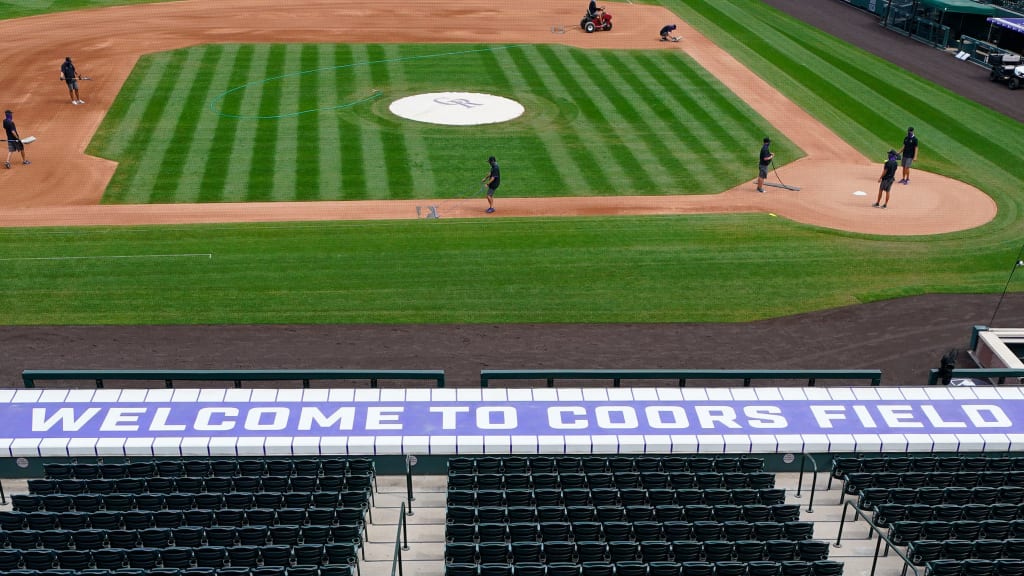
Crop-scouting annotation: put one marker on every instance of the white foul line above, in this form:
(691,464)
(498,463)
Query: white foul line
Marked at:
(111,257)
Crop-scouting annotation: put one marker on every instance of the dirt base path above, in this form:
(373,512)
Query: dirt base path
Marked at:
(107,42)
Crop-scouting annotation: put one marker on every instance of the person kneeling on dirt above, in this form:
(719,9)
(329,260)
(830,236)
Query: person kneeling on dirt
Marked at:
(666,33)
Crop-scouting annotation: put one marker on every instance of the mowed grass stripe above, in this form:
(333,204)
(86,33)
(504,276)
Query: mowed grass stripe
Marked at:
(266,145)
(350,134)
(239,165)
(396,161)
(197,158)
(314,131)
(586,154)
(374,154)
(679,109)
(328,146)
(418,151)
(665,166)
(564,146)
(219,161)
(546,147)
(133,133)
(716,119)
(161,119)
(624,147)
(384,175)
(173,164)
(286,162)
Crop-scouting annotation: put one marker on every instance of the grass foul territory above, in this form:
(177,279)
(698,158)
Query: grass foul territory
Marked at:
(311,122)
(174,147)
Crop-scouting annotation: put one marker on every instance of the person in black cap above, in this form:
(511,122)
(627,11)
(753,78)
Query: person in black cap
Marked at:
(666,33)
(14,143)
(492,180)
(71,77)
(909,153)
(764,160)
(886,179)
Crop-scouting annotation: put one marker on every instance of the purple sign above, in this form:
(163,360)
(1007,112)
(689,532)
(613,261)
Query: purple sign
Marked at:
(566,418)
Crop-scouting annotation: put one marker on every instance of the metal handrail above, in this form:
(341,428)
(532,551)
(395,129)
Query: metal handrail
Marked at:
(401,543)
(814,479)
(878,544)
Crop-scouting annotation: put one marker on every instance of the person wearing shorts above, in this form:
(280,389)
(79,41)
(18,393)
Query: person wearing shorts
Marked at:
(909,154)
(69,75)
(14,143)
(763,161)
(886,179)
(492,180)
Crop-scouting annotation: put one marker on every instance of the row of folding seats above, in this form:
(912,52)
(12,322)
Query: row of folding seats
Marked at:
(206,468)
(636,568)
(614,496)
(160,484)
(645,551)
(921,552)
(154,501)
(842,465)
(141,519)
(975,567)
(868,498)
(620,531)
(633,496)
(904,531)
(889,512)
(255,535)
(618,513)
(180,557)
(298,570)
(678,480)
(563,464)
(639,531)
(856,481)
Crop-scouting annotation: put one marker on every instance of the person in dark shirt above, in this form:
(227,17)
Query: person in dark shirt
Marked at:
(886,179)
(764,159)
(492,180)
(69,75)
(14,143)
(909,153)
(593,10)
(666,33)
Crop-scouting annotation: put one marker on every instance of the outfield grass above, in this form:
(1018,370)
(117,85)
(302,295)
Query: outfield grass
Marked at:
(311,122)
(22,8)
(658,269)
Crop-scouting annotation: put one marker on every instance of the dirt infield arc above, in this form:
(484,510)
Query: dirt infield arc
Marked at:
(64,186)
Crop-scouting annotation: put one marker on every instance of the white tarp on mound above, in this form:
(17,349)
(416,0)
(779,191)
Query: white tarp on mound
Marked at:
(457,108)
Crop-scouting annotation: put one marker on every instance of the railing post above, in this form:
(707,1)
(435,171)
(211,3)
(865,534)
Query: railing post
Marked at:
(551,382)
(168,383)
(99,383)
(440,380)
(3,497)
(842,522)
(410,461)
(800,479)
(405,531)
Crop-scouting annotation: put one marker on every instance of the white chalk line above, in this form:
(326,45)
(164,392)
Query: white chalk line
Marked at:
(209,256)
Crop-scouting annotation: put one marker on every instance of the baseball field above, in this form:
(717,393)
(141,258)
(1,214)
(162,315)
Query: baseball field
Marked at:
(627,194)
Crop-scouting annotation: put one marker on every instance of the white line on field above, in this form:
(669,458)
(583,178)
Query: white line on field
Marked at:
(111,257)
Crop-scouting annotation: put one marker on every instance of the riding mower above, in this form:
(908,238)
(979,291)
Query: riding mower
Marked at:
(1006,68)
(599,20)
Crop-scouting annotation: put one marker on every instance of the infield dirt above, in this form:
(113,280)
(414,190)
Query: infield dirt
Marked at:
(107,42)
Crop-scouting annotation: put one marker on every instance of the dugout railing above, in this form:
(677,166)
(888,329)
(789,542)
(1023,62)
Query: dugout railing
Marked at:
(236,377)
(811,377)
